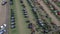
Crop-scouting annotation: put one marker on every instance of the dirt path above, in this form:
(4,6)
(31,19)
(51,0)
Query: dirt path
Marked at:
(3,13)
(58,8)
(7,9)
(54,19)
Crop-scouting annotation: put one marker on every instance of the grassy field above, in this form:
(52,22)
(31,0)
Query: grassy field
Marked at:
(30,13)
(15,30)
(22,26)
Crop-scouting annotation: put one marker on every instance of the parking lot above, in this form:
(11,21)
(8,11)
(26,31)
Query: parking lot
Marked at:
(25,15)
(29,17)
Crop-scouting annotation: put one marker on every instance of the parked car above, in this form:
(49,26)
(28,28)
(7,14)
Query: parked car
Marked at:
(12,20)
(27,21)
(12,17)
(4,25)
(11,2)
(4,30)
(1,32)
(30,25)
(58,12)
(23,6)
(4,2)
(45,31)
(1,27)
(21,1)
(13,26)
(12,23)
(24,9)
(25,13)
(34,9)
(26,16)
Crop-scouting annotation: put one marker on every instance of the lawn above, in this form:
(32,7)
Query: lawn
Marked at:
(22,26)
(15,30)
(39,16)
(31,15)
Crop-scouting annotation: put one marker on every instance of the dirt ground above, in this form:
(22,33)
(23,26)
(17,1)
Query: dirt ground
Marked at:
(54,19)
(4,12)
